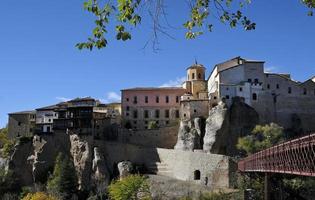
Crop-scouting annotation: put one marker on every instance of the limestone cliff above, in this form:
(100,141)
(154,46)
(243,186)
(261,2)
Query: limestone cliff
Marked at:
(189,135)
(225,125)
(33,160)
(223,128)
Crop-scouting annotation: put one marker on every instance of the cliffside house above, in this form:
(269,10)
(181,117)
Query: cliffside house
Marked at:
(21,124)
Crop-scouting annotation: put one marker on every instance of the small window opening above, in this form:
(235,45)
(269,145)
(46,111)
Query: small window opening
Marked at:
(254,96)
(197,175)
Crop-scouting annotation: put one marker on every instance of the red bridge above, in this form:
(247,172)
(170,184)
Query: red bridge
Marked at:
(292,157)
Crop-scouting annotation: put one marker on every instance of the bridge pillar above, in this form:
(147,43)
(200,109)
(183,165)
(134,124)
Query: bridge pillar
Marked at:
(267,186)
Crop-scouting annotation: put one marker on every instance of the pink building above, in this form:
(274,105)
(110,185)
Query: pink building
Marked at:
(140,106)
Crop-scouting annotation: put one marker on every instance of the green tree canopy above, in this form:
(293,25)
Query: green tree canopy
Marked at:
(126,14)
(262,137)
(63,181)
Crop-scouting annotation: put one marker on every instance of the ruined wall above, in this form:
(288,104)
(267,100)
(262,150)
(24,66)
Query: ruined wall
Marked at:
(181,165)
(194,108)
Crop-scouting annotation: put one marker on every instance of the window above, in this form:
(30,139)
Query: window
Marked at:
(19,123)
(278,86)
(157,113)
(157,99)
(145,122)
(135,114)
(227,88)
(167,113)
(199,76)
(289,90)
(167,122)
(135,99)
(249,80)
(177,99)
(227,97)
(241,89)
(135,122)
(167,99)
(195,111)
(304,91)
(254,96)
(197,175)
(177,113)
(256,80)
(127,114)
(193,75)
(127,99)
(268,86)
(314,91)
(146,114)
(214,97)
(146,99)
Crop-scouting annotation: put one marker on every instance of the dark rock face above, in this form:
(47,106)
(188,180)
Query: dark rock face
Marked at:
(189,135)
(225,125)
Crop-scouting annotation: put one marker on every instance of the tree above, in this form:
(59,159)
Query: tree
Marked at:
(127,14)
(6,180)
(6,144)
(64,180)
(153,125)
(133,187)
(262,137)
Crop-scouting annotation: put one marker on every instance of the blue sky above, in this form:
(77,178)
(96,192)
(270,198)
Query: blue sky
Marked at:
(39,64)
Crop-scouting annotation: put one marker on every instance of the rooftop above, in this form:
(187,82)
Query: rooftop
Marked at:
(23,112)
(152,88)
(52,107)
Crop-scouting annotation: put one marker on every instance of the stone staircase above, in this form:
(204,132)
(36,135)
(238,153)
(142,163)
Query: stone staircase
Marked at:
(159,169)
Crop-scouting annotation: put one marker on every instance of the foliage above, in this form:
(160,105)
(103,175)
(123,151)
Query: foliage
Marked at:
(127,14)
(153,125)
(216,196)
(9,196)
(262,137)
(64,181)
(6,144)
(39,196)
(300,184)
(254,182)
(6,180)
(133,187)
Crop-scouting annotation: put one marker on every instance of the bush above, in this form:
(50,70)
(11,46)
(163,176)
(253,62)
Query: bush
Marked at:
(133,187)
(39,196)
(153,125)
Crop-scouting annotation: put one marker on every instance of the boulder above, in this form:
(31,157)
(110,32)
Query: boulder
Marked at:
(125,168)
(189,135)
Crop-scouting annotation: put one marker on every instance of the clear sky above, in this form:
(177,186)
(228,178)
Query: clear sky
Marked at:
(39,64)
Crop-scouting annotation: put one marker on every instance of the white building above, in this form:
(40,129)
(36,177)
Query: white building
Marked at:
(276,97)
(44,119)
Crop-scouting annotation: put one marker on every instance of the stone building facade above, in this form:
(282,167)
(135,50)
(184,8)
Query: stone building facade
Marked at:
(195,102)
(140,106)
(22,124)
(276,97)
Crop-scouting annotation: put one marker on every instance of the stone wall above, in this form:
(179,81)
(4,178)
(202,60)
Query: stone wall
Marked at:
(163,137)
(215,170)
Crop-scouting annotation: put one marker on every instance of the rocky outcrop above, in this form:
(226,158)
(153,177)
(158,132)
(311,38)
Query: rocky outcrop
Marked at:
(100,173)
(216,129)
(19,165)
(189,135)
(125,168)
(82,160)
(225,125)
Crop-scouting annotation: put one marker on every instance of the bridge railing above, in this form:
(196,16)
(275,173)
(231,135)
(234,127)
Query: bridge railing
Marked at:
(296,156)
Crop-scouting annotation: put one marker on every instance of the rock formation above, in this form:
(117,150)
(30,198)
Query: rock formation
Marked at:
(225,125)
(100,173)
(189,135)
(125,168)
(82,160)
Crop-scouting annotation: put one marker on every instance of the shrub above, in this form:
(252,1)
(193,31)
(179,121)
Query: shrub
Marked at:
(153,125)
(39,196)
(133,187)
